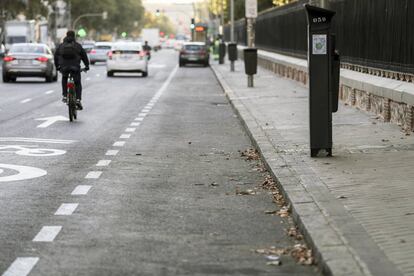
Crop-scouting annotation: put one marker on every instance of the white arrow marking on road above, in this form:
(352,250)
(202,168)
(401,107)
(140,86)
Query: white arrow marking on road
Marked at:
(21,266)
(23,172)
(50,120)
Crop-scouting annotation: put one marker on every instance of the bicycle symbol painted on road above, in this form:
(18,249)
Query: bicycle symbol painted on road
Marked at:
(16,172)
(31,151)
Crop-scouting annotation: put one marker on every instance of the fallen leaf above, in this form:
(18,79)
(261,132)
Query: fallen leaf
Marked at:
(246,192)
(270,212)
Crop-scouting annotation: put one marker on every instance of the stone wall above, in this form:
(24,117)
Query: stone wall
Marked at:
(366,97)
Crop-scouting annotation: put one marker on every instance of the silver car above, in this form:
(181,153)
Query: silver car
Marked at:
(29,60)
(99,53)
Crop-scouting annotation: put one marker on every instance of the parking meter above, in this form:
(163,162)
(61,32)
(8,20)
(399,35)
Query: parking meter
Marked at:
(222,52)
(323,79)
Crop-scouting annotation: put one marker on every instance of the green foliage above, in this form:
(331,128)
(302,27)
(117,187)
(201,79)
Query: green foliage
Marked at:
(33,9)
(162,22)
(121,14)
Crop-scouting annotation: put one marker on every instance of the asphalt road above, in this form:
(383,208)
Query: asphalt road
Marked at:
(144,183)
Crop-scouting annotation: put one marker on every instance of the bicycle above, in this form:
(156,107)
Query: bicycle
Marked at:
(71,96)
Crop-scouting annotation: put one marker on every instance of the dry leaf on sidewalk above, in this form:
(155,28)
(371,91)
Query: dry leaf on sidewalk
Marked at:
(245,192)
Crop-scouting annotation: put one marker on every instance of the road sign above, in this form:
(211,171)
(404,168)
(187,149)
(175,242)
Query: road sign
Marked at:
(251,8)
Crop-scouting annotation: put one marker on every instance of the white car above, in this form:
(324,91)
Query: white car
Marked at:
(127,57)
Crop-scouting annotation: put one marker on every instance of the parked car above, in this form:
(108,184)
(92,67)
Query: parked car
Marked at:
(99,53)
(88,46)
(194,52)
(2,50)
(29,60)
(127,57)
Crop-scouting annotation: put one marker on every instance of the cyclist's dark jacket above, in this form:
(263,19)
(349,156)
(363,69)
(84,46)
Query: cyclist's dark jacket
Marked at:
(65,63)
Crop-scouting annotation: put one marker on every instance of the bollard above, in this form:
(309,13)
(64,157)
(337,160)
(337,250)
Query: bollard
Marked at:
(232,50)
(250,64)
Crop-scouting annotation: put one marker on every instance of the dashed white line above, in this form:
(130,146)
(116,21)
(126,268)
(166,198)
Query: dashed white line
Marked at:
(21,266)
(93,175)
(66,209)
(119,144)
(130,129)
(47,234)
(142,114)
(103,163)
(125,136)
(26,101)
(135,124)
(81,190)
(88,78)
(49,92)
(98,75)
(112,152)
(139,119)
(146,110)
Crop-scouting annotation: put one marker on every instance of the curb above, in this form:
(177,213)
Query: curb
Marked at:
(331,250)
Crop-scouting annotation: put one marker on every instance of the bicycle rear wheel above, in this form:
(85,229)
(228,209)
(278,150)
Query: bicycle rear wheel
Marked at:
(72,108)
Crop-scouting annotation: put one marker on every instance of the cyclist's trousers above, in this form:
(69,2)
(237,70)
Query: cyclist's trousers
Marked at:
(78,84)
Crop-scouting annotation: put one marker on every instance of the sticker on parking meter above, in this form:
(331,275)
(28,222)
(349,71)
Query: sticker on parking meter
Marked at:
(319,44)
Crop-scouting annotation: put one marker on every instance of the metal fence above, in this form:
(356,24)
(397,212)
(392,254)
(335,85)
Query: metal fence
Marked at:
(371,33)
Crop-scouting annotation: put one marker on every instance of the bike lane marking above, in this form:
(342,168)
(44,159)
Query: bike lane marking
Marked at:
(119,144)
(112,152)
(139,119)
(135,124)
(125,136)
(93,175)
(22,266)
(47,234)
(24,172)
(103,163)
(26,100)
(130,129)
(66,209)
(36,140)
(81,190)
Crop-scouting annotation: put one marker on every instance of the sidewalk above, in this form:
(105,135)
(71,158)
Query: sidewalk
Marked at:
(356,209)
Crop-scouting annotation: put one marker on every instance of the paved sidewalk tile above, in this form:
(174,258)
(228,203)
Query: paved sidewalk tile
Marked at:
(363,194)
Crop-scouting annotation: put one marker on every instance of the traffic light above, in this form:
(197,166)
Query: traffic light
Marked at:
(82,32)
(192,23)
(124,34)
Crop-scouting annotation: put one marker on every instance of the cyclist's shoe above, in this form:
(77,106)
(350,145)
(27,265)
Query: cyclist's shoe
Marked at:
(65,99)
(79,105)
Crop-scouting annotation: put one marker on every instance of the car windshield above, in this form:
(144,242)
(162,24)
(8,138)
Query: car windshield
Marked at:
(103,47)
(31,49)
(193,47)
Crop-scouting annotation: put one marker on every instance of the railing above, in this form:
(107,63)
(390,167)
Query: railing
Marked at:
(375,34)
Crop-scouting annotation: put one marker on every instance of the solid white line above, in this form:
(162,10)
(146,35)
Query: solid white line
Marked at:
(103,163)
(119,144)
(135,124)
(125,136)
(49,92)
(130,129)
(139,119)
(35,140)
(93,175)
(112,152)
(47,234)
(26,101)
(66,209)
(81,190)
(21,266)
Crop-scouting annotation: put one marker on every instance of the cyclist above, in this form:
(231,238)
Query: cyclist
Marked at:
(68,57)
(147,49)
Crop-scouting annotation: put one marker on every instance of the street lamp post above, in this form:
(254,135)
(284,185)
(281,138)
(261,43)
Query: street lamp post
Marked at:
(104,16)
